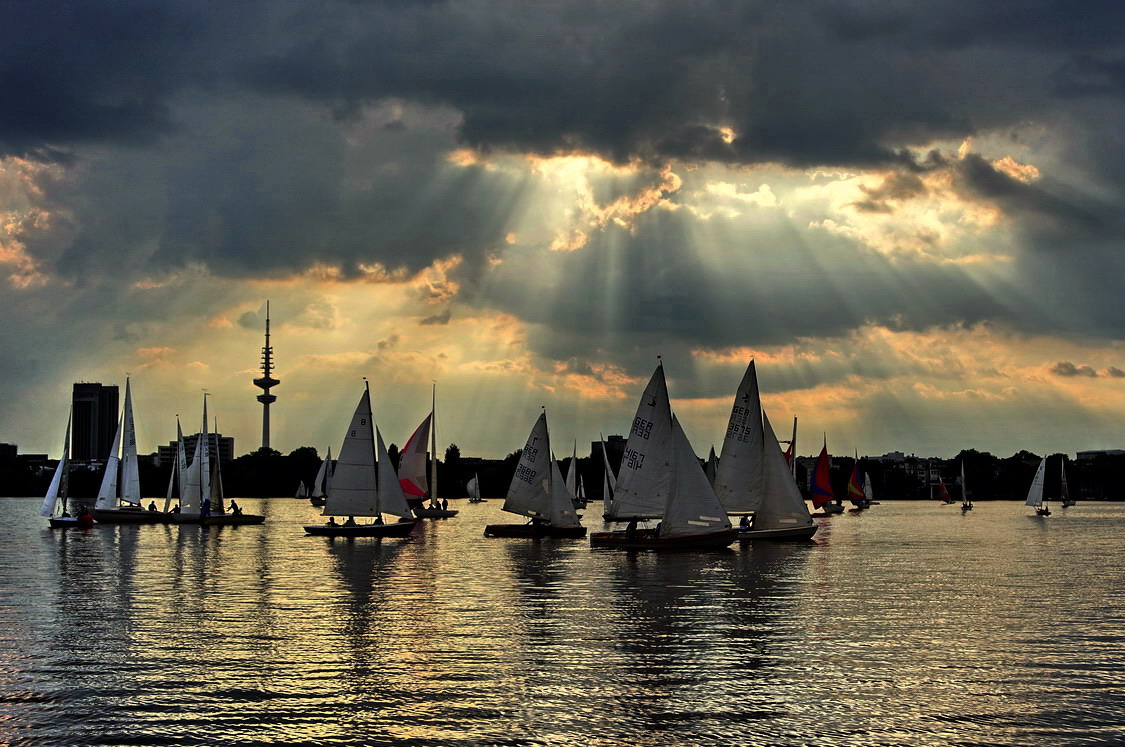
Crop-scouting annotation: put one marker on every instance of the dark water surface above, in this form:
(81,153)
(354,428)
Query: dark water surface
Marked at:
(909,624)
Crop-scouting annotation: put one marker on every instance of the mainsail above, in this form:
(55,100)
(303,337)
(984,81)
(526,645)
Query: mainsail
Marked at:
(644,479)
(1035,494)
(353,490)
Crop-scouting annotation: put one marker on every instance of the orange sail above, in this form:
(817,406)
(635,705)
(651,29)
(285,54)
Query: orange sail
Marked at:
(856,493)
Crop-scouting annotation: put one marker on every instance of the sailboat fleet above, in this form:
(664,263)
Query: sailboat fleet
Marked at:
(663,494)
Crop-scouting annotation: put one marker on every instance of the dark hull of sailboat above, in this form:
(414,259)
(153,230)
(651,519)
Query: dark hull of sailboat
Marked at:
(129,516)
(1042,512)
(69,522)
(966,507)
(317,501)
(396,529)
(647,539)
(222,520)
(534,531)
(435,513)
(788,534)
(830,509)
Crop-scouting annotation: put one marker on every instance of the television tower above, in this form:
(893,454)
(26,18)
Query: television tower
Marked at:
(265,382)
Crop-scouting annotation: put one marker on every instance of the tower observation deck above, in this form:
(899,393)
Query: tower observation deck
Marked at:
(265,381)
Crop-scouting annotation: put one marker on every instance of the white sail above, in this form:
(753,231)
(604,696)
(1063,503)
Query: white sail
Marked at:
(302,491)
(130,469)
(191,483)
(57,488)
(473,487)
(528,493)
(412,462)
(780,503)
(581,494)
(180,469)
(204,458)
(644,480)
(1035,494)
(738,478)
(1064,491)
(560,507)
(692,507)
(609,482)
(107,493)
(712,467)
(391,499)
(353,489)
(572,474)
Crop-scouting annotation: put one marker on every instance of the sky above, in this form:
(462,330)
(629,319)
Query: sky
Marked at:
(907,213)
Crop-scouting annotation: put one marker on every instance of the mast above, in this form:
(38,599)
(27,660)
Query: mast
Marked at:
(433,444)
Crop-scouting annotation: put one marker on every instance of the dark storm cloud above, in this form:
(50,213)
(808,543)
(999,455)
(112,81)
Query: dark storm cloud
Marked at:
(807,83)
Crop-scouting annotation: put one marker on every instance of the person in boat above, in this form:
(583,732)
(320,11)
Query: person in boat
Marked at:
(744,523)
(205,509)
(85,520)
(235,508)
(331,521)
(631,529)
(378,519)
(152,505)
(444,504)
(350,522)
(176,510)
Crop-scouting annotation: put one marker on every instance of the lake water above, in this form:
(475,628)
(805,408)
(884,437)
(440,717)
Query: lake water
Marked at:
(908,624)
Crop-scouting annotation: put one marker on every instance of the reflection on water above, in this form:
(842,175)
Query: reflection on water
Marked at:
(908,624)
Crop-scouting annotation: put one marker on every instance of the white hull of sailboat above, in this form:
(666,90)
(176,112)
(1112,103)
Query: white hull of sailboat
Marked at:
(129,515)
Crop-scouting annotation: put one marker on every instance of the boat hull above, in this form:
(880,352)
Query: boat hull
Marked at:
(69,522)
(317,501)
(830,509)
(435,513)
(788,534)
(647,539)
(129,516)
(396,529)
(534,531)
(222,520)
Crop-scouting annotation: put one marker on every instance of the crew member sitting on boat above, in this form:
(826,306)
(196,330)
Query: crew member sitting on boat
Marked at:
(331,521)
(744,523)
(350,522)
(378,519)
(152,505)
(235,508)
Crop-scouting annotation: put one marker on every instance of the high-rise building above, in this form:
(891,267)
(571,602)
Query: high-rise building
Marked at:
(94,420)
(222,447)
(265,382)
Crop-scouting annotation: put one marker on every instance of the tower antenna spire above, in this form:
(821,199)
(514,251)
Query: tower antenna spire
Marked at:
(265,382)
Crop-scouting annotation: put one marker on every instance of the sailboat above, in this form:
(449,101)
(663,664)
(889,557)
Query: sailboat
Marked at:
(671,488)
(54,503)
(752,477)
(302,490)
(219,515)
(857,488)
(712,466)
(323,481)
(120,502)
(1064,491)
(365,483)
(1035,493)
(943,492)
(539,492)
(966,504)
(472,487)
(821,489)
(609,481)
(417,486)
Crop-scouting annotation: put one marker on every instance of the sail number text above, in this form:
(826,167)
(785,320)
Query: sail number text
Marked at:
(642,428)
(526,474)
(634,459)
